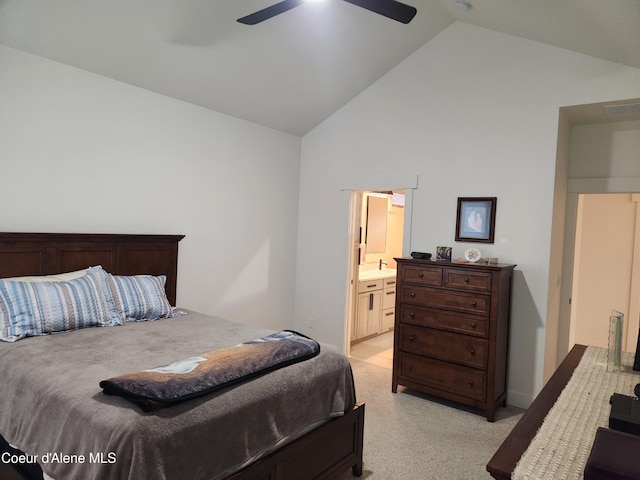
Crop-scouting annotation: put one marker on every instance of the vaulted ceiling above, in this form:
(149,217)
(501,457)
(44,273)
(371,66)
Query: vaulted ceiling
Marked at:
(294,70)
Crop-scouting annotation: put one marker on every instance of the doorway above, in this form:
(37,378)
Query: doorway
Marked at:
(606,272)
(377,228)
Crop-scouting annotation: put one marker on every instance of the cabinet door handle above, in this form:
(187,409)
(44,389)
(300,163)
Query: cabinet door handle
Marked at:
(391,283)
(371,286)
(391,293)
(388,314)
(371,301)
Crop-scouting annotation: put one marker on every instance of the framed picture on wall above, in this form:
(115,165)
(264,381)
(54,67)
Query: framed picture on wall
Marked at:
(476,219)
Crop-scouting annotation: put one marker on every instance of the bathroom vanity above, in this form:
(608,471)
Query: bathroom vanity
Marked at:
(376,303)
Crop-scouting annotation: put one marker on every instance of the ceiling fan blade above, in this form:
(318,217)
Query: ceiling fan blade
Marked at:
(272,11)
(389,8)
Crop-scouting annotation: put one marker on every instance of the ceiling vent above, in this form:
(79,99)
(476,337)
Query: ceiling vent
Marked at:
(623,109)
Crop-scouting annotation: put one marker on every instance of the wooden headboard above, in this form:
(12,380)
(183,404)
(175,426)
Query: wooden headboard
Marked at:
(23,254)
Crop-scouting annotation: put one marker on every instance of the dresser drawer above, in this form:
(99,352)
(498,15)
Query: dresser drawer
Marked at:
(451,347)
(464,381)
(466,280)
(454,322)
(422,275)
(432,297)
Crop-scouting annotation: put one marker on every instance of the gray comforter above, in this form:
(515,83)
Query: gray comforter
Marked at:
(52,406)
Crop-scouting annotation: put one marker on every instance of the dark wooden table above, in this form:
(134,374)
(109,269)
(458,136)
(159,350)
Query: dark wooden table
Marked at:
(504,461)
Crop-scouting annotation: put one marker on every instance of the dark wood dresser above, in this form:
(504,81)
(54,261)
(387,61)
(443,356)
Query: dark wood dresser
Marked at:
(452,331)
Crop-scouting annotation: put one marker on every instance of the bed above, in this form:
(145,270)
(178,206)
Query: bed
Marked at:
(296,422)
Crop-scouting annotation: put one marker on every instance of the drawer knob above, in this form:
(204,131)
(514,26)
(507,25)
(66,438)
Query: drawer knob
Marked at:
(471,383)
(421,274)
(413,294)
(466,279)
(473,325)
(412,314)
(472,351)
(473,304)
(411,337)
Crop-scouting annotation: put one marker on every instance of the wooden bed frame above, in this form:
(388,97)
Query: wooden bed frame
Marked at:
(322,453)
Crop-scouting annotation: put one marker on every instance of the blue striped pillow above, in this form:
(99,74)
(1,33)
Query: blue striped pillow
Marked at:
(141,297)
(39,308)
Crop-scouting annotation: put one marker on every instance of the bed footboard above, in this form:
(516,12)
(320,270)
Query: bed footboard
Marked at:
(322,453)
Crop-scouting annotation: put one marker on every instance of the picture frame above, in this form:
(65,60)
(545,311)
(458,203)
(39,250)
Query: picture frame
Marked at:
(443,254)
(476,219)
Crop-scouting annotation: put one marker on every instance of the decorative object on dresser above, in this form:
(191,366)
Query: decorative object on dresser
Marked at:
(451,331)
(476,219)
(443,253)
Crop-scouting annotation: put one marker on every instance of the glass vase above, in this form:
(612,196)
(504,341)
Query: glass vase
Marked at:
(614,354)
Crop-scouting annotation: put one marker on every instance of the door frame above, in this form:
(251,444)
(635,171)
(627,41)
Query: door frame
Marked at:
(356,186)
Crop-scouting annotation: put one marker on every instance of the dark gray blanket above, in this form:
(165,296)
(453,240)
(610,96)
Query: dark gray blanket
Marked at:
(206,373)
(51,402)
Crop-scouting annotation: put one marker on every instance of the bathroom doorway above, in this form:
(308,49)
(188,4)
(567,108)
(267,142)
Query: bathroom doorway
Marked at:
(377,236)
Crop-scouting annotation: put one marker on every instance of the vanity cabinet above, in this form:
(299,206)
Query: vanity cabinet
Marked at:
(376,306)
(387,319)
(451,331)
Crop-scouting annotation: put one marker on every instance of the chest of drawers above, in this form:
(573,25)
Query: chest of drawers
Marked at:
(451,331)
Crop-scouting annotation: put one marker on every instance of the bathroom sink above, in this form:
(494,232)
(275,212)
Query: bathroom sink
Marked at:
(375,273)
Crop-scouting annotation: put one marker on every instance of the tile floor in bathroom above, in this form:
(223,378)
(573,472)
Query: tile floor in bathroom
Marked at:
(377,350)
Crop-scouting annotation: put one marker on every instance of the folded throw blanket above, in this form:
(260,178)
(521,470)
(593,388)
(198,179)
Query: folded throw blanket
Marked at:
(167,385)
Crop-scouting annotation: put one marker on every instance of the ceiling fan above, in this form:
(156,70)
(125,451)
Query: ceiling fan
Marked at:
(388,8)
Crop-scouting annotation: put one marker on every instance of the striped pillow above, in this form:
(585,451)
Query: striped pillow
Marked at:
(39,308)
(141,297)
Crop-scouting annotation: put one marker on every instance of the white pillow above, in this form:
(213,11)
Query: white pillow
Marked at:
(59,277)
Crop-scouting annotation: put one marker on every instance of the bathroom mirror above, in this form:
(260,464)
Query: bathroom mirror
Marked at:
(376,228)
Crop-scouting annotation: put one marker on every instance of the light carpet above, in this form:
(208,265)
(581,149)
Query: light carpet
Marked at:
(409,435)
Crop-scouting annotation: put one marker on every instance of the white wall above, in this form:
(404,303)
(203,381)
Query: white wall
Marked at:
(82,153)
(605,150)
(472,113)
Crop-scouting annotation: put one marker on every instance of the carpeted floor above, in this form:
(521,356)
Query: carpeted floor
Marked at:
(409,435)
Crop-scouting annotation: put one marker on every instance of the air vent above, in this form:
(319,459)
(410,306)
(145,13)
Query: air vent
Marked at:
(623,109)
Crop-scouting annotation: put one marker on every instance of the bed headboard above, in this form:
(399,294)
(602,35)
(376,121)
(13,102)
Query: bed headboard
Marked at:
(23,254)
